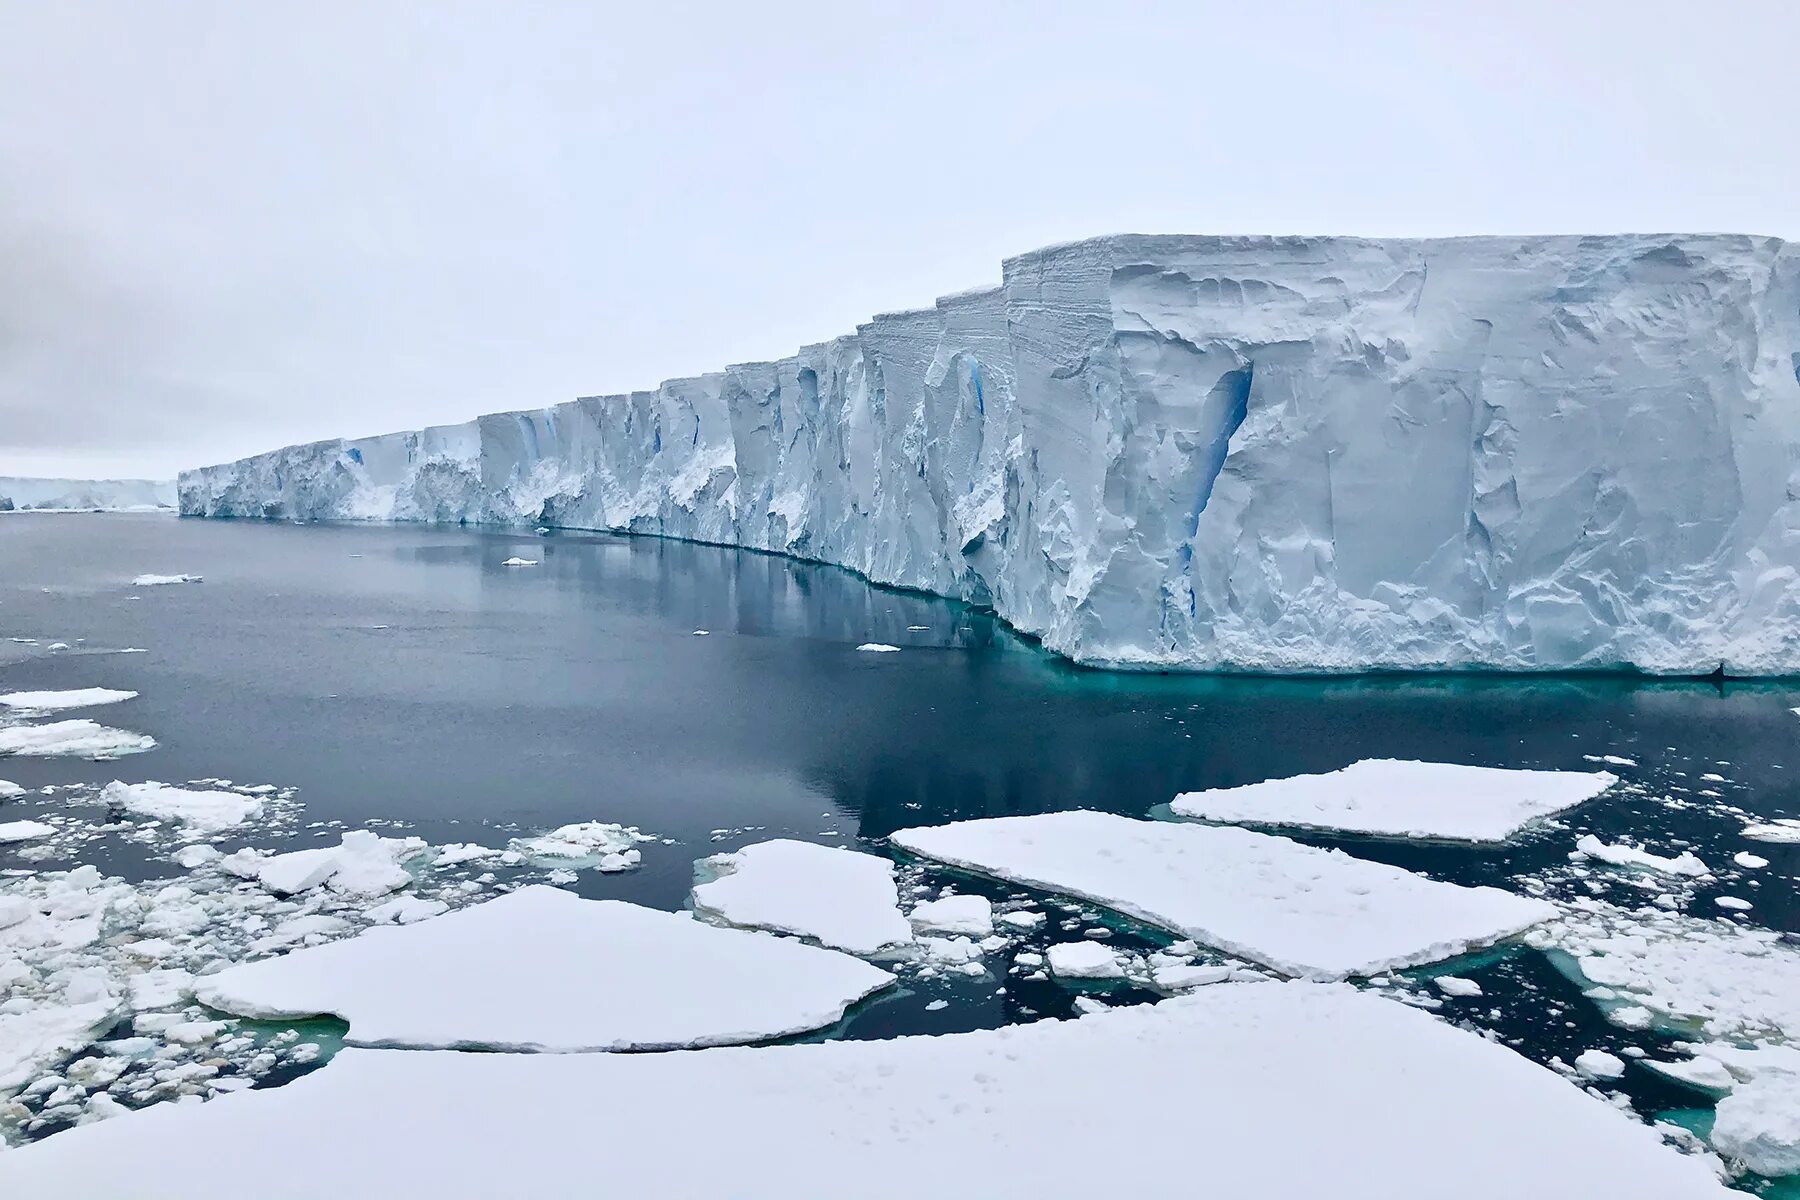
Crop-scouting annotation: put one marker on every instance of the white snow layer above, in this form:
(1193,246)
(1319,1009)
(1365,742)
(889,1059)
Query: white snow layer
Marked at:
(1297,909)
(72,739)
(199,812)
(541,969)
(164,580)
(1181,451)
(1759,1124)
(1398,798)
(54,701)
(23,831)
(839,898)
(1373,1091)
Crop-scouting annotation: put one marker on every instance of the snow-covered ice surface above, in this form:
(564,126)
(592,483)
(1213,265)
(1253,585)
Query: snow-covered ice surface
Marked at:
(56,701)
(1295,908)
(838,898)
(1372,1090)
(1758,1124)
(541,969)
(23,831)
(971,915)
(200,812)
(72,739)
(164,580)
(1397,798)
(1620,855)
(1260,395)
(602,845)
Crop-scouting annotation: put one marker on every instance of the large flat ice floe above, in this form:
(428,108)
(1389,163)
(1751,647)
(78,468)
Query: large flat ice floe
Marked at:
(1332,1093)
(1181,452)
(56,701)
(72,739)
(1297,909)
(1387,797)
(541,969)
(839,898)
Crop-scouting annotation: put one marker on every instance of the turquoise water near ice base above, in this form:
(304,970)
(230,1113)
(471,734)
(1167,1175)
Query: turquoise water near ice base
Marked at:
(402,675)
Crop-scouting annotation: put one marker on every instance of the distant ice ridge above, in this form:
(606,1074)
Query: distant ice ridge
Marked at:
(1240,453)
(86,495)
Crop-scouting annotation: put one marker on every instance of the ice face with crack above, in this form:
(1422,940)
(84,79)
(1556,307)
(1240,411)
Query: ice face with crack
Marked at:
(1181,451)
(1373,1090)
(838,898)
(1299,910)
(541,969)
(1402,799)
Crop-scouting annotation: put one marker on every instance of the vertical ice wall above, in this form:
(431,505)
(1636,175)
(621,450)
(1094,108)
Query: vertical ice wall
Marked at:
(1236,453)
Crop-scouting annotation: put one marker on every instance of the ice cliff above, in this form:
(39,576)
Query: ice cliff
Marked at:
(86,495)
(1250,453)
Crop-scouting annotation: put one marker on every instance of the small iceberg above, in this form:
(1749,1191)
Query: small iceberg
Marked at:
(72,739)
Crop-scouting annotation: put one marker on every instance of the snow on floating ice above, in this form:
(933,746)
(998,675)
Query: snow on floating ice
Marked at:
(362,864)
(23,831)
(1783,830)
(1455,985)
(1729,981)
(1299,910)
(1758,1124)
(839,898)
(72,739)
(541,969)
(520,562)
(54,701)
(1599,1064)
(1373,1091)
(1620,855)
(605,846)
(42,1035)
(200,813)
(878,648)
(1084,960)
(972,915)
(164,580)
(1749,861)
(10,790)
(1401,798)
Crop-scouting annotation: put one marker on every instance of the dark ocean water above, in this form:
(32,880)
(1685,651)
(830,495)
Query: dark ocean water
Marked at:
(402,674)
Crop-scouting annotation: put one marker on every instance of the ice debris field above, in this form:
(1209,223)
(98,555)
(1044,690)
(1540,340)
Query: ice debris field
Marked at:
(1180,451)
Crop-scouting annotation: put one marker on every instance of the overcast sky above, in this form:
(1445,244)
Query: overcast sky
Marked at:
(225,227)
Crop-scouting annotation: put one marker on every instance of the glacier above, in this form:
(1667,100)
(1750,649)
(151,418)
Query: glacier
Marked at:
(1277,454)
(86,495)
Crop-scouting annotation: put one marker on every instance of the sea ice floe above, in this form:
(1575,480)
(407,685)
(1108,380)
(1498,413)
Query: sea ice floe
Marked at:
(1299,910)
(164,580)
(1621,855)
(1725,979)
(1784,830)
(1455,985)
(520,562)
(37,1036)
(362,864)
(10,790)
(198,812)
(598,844)
(1758,1124)
(971,915)
(24,831)
(1599,1064)
(56,701)
(72,739)
(541,969)
(1084,960)
(1399,798)
(839,898)
(1373,1091)
(878,648)
(1749,861)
